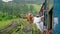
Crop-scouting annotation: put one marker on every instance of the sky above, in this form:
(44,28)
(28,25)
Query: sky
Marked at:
(6,0)
(17,0)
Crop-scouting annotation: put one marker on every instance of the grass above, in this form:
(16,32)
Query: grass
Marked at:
(4,24)
(25,23)
(20,21)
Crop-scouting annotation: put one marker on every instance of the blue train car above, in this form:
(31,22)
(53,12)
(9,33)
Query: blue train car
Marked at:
(56,16)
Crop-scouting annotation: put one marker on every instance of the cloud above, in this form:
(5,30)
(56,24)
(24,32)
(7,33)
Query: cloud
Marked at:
(6,0)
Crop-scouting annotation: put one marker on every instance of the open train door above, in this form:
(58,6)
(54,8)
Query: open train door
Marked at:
(49,10)
(48,17)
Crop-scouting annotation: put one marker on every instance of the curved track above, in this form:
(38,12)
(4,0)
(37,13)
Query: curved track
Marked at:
(9,28)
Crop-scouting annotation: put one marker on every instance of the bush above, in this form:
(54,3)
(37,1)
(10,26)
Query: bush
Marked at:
(0,19)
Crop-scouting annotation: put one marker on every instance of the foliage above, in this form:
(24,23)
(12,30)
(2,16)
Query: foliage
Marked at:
(13,10)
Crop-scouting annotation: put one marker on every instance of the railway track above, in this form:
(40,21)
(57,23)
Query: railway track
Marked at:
(9,28)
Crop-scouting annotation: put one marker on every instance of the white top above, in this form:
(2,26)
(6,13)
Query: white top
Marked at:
(39,23)
(37,19)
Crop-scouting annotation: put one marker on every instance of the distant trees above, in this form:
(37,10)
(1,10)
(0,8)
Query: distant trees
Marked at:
(13,10)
